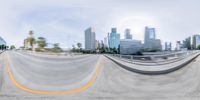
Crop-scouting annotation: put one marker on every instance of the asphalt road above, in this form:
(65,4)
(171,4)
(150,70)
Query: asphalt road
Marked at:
(112,82)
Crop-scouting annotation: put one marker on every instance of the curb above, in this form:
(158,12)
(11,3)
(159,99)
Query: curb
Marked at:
(153,72)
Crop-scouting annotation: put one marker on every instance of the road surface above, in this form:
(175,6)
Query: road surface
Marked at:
(112,82)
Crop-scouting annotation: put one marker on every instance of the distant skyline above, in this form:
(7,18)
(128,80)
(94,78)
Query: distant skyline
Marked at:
(64,21)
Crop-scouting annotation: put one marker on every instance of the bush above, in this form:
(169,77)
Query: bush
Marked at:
(39,50)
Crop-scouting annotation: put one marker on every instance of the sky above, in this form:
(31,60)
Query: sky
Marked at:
(64,21)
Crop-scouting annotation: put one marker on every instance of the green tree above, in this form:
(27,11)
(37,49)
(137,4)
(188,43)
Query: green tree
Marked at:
(41,42)
(31,41)
(102,50)
(115,50)
(79,45)
(106,49)
(12,47)
(198,47)
(22,47)
(56,48)
(56,45)
(118,49)
(1,47)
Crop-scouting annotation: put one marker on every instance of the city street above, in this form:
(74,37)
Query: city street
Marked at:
(92,77)
(99,50)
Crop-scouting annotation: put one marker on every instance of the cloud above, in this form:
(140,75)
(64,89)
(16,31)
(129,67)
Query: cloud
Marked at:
(64,21)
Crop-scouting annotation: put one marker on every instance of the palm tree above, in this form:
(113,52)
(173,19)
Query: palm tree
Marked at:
(31,39)
(31,33)
(79,45)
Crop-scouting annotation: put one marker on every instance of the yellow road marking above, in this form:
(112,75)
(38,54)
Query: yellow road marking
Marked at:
(90,83)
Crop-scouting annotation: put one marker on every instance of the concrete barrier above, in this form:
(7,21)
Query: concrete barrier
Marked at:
(166,71)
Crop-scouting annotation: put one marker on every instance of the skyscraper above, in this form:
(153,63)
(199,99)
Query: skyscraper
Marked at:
(127,34)
(105,42)
(150,41)
(90,39)
(196,41)
(114,38)
(188,43)
(97,44)
(150,33)
(168,46)
(178,46)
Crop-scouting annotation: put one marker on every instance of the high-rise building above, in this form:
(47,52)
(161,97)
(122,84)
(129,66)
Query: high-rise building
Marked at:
(2,41)
(102,44)
(99,44)
(150,33)
(178,45)
(128,46)
(105,42)
(114,38)
(168,46)
(150,41)
(90,39)
(96,44)
(127,34)
(187,43)
(196,41)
